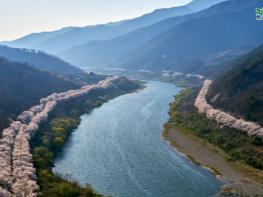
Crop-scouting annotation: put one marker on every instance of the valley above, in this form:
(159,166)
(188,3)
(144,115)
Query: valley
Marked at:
(131,99)
(118,150)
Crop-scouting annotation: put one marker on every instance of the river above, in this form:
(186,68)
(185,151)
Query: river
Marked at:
(118,150)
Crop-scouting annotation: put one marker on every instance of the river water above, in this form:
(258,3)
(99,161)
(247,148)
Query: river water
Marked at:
(119,151)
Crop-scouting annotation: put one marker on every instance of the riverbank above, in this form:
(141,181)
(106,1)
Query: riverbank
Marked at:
(238,179)
(52,135)
(191,133)
(117,149)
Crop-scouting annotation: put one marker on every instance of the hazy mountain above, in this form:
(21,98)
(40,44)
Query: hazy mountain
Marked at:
(97,53)
(31,40)
(107,52)
(239,91)
(39,60)
(233,26)
(198,5)
(22,86)
(54,42)
(60,40)
(216,64)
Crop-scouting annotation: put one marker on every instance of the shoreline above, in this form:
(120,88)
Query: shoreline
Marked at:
(238,179)
(62,122)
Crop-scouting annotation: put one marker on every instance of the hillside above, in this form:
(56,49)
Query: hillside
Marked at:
(22,86)
(60,40)
(203,4)
(108,52)
(39,60)
(33,39)
(239,91)
(232,26)
(55,42)
(239,150)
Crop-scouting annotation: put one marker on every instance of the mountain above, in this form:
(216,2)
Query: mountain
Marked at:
(39,60)
(108,52)
(203,4)
(60,40)
(233,25)
(22,86)
(54,42)
(31,40)
(239,90)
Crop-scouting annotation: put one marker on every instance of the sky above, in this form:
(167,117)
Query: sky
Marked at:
(21,17)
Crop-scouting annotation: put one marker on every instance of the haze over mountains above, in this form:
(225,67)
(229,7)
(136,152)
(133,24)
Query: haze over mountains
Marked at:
(65,38)
(163,43)
(38,59)
(218,40)
(161,40)
(57,41)
(106,44)
(229,27)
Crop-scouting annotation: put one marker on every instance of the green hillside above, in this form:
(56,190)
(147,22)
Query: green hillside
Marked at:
(22,86)
(226,26)
(240,90)
(39,60)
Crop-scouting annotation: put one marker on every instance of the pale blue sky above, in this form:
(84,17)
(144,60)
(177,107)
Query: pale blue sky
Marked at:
(20,17)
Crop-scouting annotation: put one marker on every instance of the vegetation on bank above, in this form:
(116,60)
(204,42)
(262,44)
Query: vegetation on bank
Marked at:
(239,90)
(53,134)
(237,145)
(22,86)
(51,140)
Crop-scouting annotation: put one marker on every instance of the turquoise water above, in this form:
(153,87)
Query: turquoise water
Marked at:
(119,151)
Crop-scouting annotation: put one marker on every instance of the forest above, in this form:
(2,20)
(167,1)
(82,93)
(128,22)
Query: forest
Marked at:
(238,146)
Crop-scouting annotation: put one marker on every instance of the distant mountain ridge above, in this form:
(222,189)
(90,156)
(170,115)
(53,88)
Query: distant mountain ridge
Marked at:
(54,42)
(232,26)
(57,41)
(38,59)
(110,52)
(203,4)
(30,40)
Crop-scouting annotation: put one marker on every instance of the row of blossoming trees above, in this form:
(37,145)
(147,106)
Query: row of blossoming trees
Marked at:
(17,173)
(225,119)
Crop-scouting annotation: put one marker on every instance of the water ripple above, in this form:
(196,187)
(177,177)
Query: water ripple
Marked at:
(118,150)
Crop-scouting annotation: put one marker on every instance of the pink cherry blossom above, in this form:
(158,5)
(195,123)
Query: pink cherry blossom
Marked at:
(222,118)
